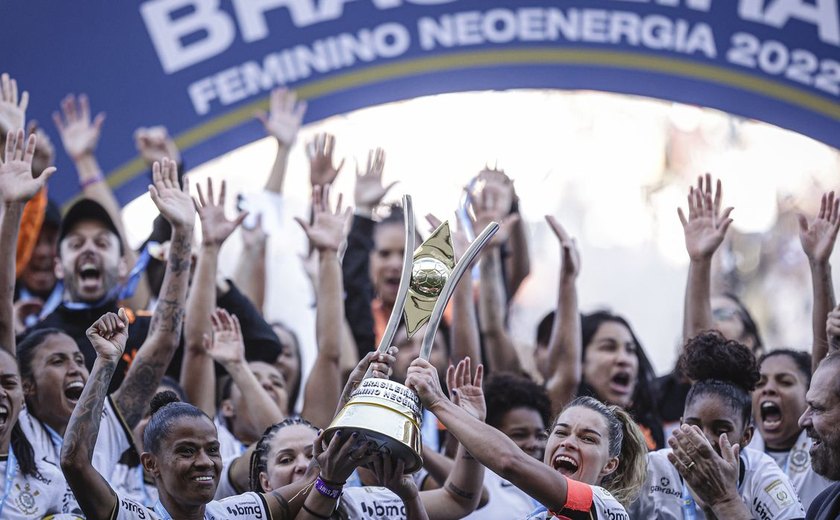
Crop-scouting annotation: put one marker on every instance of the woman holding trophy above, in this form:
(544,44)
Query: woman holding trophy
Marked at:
(590,445)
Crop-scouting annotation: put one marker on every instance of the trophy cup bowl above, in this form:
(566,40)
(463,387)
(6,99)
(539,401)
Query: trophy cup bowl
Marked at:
(384,411)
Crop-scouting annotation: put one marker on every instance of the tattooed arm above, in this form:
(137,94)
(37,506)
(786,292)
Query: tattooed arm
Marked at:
(156,352)
(95,496)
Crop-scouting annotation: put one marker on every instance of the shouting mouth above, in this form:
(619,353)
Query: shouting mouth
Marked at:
(566,465)
(621,383)
(771,416)
(73,391)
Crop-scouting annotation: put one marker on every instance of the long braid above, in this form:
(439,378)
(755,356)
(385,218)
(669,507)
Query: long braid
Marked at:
(24,453)
(259,459)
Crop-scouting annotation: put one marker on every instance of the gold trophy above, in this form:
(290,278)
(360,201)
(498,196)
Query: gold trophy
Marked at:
(385,411)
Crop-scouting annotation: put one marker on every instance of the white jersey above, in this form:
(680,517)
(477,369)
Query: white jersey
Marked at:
(248,506)
(114,438)
(796,463)
(28,496)
(129,481)
(764,488)
(370,503)
(226,488)
(506,500)
(583,502)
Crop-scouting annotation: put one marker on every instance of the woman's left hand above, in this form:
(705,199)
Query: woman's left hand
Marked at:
(390,473)
(422,377)
(712,477)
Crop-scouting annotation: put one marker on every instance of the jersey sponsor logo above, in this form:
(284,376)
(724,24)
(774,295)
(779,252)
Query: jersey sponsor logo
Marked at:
(133,508)
(26,499)
(248,510)
(780,493)
(377,510)
(761,510)
(664,486)
(615,513)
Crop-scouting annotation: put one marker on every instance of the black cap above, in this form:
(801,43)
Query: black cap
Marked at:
(87,209)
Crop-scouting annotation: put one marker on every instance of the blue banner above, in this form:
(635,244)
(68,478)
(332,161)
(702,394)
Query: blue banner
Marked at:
(202,67)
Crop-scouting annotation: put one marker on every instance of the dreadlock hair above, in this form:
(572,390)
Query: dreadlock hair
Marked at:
(166,409)
(259,459)
(21,446)
(627,443)
(801,359)
(644,406)
(721,368)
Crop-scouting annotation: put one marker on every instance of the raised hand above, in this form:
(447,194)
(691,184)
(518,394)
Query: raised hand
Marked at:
(569,254)
(380,365)
(467,392)
(322,171)
(422,377)
(17,182)
(45,151)
(284,117)
(327,231)
(369,190)
(155,144)
(109,334)
(12,109)
(501,184)
(489,206)
(173,202)
(254,237)
(79,134)
(227,346)
(706,226)
(215,226)
(819,235)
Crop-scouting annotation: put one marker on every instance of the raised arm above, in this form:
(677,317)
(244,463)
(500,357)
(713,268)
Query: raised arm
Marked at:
(12,107)
(705,229)
(564,346)
(95,496)
(492,304)
(326,235)
(17,185)
(154,356)
(228,349)
(80,135)
(283,120)
(197,376)
(250,275)
(818,237)
(489,446)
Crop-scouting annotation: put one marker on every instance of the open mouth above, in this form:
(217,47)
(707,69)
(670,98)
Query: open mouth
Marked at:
(620,383)
(73,391)
(4,416)
(566,465)
(204,480)
(88,271)
(771,416)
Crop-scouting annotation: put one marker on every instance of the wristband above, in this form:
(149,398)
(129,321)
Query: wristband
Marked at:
(93,180)
(326,490)
(313,513)
(332,483)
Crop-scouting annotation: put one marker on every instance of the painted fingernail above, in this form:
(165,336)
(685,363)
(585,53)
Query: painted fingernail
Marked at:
(338,433)
(355,434)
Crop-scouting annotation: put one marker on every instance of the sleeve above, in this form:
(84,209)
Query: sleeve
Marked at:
(773,497)
(606,507)
(127,509)
(358,287)
(114,438)
(226,488)
(245,506)
(261,343)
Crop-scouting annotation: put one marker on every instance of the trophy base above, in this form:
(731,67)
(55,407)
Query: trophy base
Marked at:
(378,412)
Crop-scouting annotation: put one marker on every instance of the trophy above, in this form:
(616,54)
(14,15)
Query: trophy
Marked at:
(385,411)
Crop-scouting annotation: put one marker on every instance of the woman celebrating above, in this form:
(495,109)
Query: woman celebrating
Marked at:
(590,445)
(705,473)
(182,453)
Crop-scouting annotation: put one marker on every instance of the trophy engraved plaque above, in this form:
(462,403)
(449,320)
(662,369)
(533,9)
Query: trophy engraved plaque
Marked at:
(385,411)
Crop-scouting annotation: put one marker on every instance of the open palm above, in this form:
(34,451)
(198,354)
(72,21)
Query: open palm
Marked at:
(706,225)
(819,235)
(466,392)
(17,182)
(327,229)
(215,226)
(173,202)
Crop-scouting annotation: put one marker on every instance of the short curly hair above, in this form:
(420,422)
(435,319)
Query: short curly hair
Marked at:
(504,391)
(721,368)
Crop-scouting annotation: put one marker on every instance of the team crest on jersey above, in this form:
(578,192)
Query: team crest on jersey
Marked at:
(799,460)
(26,499)
(780,493)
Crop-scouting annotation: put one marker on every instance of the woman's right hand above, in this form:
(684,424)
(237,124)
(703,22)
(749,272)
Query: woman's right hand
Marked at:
(423,378)
(390,473)
(342,455)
